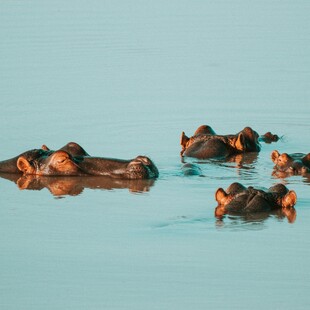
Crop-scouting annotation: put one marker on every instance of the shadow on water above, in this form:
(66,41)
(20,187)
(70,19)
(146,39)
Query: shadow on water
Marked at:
(74,185)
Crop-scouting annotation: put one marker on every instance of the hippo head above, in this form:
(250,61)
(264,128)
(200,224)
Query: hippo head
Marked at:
(247,140)
(282,161)
(292,164)
(61,163)
(269,137)
(57,163)
(239,199)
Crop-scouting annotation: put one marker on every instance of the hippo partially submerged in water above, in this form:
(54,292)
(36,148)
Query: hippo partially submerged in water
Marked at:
(205,143)
(291,164)
(238,199)
(73,160)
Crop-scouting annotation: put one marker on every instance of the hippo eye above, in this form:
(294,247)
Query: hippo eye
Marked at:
(61,160)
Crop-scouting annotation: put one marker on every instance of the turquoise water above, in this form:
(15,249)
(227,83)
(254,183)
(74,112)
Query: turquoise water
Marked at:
(126,78)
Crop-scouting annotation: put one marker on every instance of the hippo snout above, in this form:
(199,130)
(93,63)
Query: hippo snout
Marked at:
(142,168)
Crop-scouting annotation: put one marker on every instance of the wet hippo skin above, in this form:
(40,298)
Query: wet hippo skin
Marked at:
(10,165)
(238,199)
(291,164)
(73,160)
(205,143)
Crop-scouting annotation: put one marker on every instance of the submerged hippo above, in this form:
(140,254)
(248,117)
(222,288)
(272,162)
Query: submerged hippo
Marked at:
(290,164)
(238,199)
(269,137)
(73,160)
(206,144)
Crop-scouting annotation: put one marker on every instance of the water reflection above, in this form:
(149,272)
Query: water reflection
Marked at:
(60,186)
(236,222)
(244,164)
(257,218)
(287,174)
(241,161)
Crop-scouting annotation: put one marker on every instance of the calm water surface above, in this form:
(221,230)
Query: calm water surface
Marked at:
(126,78)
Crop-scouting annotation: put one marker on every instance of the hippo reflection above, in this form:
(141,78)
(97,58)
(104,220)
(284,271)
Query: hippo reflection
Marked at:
(74,185)
(291,164)
(241,200)
(236,221)
(205,143)
(73,160)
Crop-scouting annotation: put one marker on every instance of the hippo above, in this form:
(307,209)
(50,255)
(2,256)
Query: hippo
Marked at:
(269,137)
(206,144)
(73,160)
(291,164)
(190,169)
(240,200)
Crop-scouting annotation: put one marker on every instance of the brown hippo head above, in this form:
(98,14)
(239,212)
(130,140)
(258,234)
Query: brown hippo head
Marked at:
(269,137)
(58,163)
(296,163)
(239,199)
(61,163)
(206,144)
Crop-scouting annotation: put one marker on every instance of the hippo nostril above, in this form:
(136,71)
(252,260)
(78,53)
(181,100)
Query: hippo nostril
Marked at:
(142,167)
(145,160)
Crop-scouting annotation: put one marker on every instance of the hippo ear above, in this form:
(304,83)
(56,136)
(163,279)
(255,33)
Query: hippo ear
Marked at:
(274,156)
(289,200)
(45,148)
(240,142)
(184,139)
(24,166)
(220,196)
(306,159)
